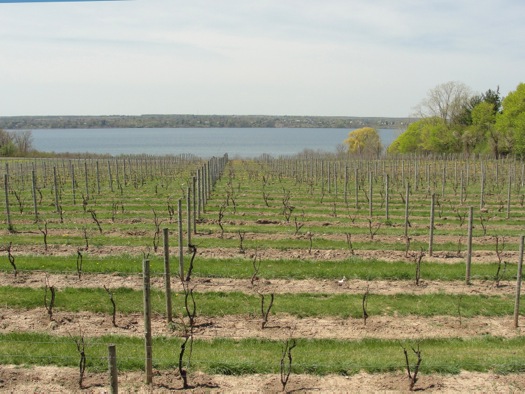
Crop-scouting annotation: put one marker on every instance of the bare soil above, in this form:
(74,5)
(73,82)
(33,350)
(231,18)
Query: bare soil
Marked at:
(488,255)
(50,379)
(279,286)
(280,326)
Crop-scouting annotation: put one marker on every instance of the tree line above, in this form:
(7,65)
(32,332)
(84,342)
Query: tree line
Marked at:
(454,120)
(200,121)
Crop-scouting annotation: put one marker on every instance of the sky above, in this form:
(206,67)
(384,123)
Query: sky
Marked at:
(258,57)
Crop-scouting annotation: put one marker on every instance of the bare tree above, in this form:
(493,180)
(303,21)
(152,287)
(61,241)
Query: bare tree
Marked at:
(11,258)
(49,305)
(265,311)
(446,101)
(365,304)
(114,305)
(256,262)
(81,349)
(79,263)
(286,361)
(23,141)
(412,374)
(193,250)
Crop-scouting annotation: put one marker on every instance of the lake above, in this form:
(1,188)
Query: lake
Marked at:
(205,142)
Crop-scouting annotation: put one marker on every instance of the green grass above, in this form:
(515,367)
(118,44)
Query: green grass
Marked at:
(248,356)
(242,268)
(236,303)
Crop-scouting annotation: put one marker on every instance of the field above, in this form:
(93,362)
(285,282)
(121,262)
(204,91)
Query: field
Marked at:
(308,274)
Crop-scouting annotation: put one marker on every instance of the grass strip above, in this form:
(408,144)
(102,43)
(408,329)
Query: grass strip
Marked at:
(248,356)
(242,268)
(237,303)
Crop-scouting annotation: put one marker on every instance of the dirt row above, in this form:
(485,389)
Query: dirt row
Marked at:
(31,279)
(279,326)
(65,380)
(315,254)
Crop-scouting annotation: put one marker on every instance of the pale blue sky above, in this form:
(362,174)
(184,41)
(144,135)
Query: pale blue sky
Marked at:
(282,57)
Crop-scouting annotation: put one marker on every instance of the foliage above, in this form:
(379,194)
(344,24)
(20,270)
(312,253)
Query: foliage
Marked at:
(364,141)
(453,121)
(511,122)
(426,135)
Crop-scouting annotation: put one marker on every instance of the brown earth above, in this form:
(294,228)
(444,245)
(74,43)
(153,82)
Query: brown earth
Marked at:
(50,379)
(34,279)
(280,326)
(478,257)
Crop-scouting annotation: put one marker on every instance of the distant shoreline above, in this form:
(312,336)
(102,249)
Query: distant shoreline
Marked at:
(199,121)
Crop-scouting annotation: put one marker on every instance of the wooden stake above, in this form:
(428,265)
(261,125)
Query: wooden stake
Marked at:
(181,249)
(431,230)
(469,244)
(113,372)
(518,284)
(33,184)
(167,275)
(147,323)
(8,212)
(55,183)
(188,209)
(407,196)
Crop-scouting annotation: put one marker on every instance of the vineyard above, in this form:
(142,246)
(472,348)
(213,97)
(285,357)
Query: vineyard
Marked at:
(269,274)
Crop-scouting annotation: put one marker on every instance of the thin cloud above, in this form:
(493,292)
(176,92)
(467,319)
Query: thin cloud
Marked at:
(335,57)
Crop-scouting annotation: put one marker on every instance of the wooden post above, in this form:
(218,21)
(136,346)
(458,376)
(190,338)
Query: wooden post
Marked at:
(431,230)
(73,184)
(518,284)
(386,196)
(125,173)
(55,183)
(370,191)
(407,196)
(86,179)
(469,244)
(482,193)
(167,275)
(110,176)
(188,209)
(335,180)
(33,184)
(357,188)
(444,180)
(7,210)
(147,323)
(113,372)
(322,177)
(415,175)
(461,190)
(346,184)
(194,194)
(98,178)
(199,192)
(508,193)
(181,249)
(329,177)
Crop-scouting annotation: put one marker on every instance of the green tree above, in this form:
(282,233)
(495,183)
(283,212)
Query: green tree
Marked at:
(482,134)
(510,123)
(364,141)
(426,135)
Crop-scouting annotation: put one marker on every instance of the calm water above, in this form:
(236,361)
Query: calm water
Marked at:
(209,142)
